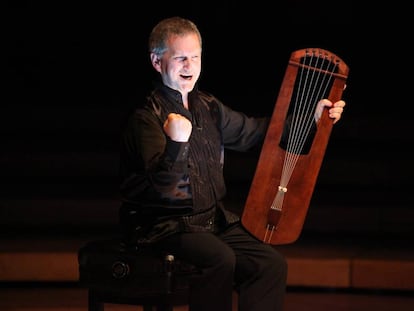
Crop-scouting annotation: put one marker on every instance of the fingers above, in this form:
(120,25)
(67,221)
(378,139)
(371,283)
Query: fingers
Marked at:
(335,112)
(335,109)
(339,103)
(177,127)
(320,107)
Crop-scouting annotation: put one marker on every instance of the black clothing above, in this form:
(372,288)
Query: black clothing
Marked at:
(173,198)
(232,259)
(173,186)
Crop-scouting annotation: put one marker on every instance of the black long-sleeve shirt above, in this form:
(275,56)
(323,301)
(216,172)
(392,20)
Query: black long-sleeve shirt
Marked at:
(170,186)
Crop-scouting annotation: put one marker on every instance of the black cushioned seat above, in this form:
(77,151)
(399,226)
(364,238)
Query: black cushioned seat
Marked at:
(116,273)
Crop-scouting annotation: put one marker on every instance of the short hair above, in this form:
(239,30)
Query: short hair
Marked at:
(168,27)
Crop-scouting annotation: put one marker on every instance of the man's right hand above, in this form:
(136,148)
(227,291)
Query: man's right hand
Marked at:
(177,127)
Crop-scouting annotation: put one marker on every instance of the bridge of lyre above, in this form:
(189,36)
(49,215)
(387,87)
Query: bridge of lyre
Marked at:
(294,147)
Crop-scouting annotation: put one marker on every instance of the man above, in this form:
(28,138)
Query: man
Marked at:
(173,186)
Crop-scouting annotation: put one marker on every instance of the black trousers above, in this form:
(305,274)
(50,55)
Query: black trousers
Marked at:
(232,259)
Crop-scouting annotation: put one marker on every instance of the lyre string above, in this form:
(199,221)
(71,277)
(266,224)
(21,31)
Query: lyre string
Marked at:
(312,87)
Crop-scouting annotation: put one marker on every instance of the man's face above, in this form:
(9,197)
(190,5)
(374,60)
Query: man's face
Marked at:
(180,66)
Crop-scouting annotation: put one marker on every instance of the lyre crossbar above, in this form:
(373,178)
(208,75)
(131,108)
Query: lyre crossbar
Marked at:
(294,147)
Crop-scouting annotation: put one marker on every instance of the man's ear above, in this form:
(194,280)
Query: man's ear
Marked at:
(156,62)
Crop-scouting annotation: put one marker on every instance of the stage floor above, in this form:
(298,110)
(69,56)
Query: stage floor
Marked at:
(75,299)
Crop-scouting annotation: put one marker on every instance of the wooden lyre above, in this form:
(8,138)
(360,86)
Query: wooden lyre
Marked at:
(294,147)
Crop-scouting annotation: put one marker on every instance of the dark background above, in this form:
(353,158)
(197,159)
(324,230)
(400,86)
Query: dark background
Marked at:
(95,53)
(75,69)
(73,65)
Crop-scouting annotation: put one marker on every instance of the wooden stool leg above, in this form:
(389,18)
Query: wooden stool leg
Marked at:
(159,307)
(94,304)
(164,307)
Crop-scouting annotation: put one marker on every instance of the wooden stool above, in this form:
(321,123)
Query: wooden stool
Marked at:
(115,273)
